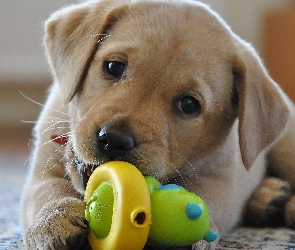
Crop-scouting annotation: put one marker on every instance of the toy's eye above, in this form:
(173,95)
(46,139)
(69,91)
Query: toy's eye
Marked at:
(188,105)
(114,69)
(193,211)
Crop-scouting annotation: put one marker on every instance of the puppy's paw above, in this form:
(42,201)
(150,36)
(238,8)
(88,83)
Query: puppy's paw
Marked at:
(290,213)
(267,204)
(202,245)
(59,226)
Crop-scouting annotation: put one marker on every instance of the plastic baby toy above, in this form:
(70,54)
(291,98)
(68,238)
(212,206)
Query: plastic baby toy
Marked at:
(117,207)
(127,211)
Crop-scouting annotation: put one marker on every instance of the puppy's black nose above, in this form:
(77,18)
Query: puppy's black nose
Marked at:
(115,141)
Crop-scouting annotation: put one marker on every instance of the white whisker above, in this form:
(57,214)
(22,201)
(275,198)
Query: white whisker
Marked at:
(68,134)
(32,122)
(40,104)
(44,122)
(51,127)
(218,106)
(56,117)
(189,165)
(52,158)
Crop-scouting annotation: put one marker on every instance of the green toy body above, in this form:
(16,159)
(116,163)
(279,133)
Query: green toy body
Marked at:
(99,210)
(179,217)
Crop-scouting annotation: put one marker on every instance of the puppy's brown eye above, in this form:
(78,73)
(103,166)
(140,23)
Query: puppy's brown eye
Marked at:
(189,105)
(115,69)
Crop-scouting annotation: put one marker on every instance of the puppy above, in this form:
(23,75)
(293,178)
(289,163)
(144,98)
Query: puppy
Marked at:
(168,87)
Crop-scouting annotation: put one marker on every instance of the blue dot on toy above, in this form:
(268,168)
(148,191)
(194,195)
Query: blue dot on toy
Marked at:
(170,187)
(193,211)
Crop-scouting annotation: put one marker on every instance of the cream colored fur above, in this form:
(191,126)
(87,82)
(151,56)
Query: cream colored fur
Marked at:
(172,49)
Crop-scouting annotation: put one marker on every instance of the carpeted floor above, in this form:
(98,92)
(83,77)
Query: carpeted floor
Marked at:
(12,176)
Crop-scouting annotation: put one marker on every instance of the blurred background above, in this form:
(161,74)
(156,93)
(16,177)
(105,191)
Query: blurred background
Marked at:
(268,24)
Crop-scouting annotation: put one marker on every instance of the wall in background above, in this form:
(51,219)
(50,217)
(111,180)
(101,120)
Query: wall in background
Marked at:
(279,48)
(23,65)
(246,17)
(21,29)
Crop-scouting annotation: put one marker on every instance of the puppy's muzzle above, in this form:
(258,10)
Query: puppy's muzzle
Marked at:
(116,141)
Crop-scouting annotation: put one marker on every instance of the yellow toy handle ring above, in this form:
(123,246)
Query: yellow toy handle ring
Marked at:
(132,209)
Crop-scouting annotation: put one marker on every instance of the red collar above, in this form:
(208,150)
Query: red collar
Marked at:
(60,139)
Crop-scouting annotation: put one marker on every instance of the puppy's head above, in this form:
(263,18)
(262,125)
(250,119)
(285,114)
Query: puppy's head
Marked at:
(159,84)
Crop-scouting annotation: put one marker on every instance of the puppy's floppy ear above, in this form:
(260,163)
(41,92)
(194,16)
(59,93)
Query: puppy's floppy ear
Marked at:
(72,36)
(263,112)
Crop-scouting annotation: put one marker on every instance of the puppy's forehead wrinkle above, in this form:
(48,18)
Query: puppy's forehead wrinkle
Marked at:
(102,37)
(167,27)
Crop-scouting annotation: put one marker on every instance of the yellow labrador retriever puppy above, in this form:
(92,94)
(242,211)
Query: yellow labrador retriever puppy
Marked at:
(168,87)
